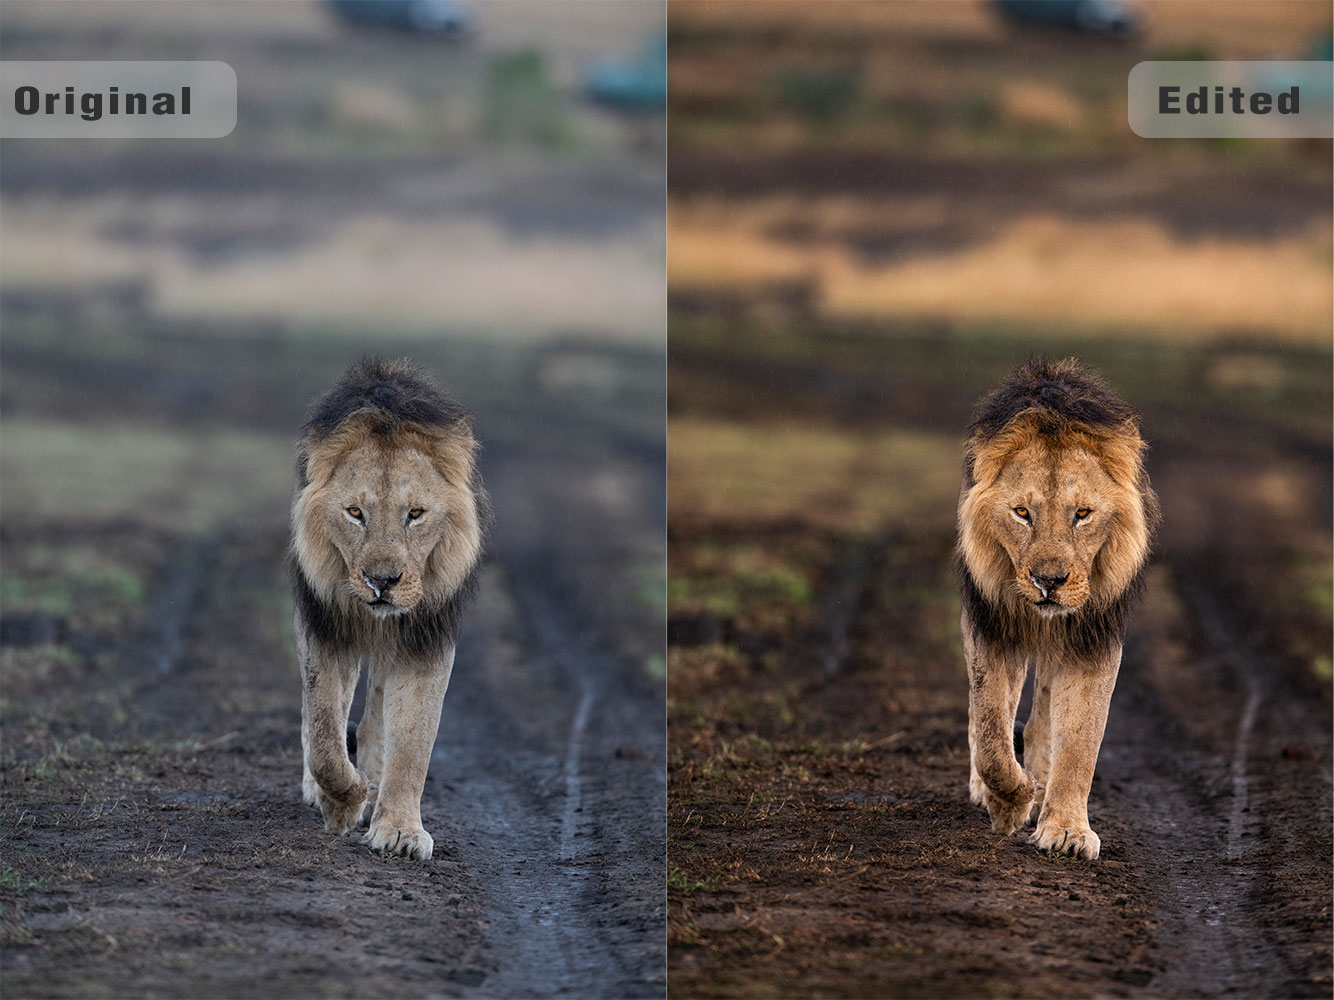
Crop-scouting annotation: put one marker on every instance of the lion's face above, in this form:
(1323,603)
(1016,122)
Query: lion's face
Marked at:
(1050,524)
(381,526)
(385,514)
(1052,511)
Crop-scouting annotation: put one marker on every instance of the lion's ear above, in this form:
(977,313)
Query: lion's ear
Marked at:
(1123,456)
(452,455)
(989,455)
(323,454)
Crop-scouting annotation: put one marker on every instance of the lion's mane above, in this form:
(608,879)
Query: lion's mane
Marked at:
(402,406)
(1070,407)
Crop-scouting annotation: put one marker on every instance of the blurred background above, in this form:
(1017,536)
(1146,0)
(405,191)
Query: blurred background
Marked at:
(478,186)
(876,210)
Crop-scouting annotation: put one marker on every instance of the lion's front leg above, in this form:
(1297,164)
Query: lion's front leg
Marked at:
(1080,697)
(328,683)
(995,683)
(412,699)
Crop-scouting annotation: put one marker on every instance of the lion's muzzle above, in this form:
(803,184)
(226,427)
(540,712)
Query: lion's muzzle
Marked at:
(388,592)
(1047,585)
(381,585)
(1053,590)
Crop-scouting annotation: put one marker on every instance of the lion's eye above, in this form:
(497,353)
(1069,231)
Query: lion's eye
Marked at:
(415,513)
(355,512)
(1082,513)
(1022,512)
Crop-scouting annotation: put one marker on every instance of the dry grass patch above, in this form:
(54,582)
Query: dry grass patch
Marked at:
(1131,274)
(190,481)
(844,481)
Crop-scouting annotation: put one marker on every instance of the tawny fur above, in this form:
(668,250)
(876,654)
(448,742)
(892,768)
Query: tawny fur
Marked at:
(388,520)
(1056,522)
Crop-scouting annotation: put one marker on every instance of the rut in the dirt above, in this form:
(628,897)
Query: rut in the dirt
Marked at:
(1198,814)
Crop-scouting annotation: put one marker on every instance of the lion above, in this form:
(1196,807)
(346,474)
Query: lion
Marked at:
(1056,520)
(388,521)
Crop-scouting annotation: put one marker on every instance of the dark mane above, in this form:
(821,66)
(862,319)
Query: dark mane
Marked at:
(393,392)
(1087,632)
(1060,393)
(426,630)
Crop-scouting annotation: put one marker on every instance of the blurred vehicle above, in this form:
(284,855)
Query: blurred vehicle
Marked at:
(447,18)
(1114,18)
(638,83)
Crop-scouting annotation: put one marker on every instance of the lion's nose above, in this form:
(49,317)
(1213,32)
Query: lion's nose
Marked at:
(1048,584)
(381,584)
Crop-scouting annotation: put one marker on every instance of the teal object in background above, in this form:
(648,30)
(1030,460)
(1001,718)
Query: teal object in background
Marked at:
(1115,18)
(633,84)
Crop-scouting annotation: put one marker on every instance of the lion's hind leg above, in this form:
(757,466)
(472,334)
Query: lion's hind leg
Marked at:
(977,791)
(370,733)
(1037,734)
(310,791)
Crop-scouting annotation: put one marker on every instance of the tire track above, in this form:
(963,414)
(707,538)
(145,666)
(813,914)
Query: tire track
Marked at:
(1193,812)
(537,799)
(519,808)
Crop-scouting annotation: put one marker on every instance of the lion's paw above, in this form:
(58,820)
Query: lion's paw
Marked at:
(1007,817)
(1076,839)
(409,841)
(977,790)
(342,815)
(1009,814)
(310,790)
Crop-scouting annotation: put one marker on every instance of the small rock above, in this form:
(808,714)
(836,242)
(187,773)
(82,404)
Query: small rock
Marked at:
(1294,752)
(1075,895)
(694,630)
(408,895)
(30,630)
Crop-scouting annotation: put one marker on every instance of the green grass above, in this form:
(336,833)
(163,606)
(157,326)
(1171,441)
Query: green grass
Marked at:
(182,480)
(13,881)
(679,881)
(64,580)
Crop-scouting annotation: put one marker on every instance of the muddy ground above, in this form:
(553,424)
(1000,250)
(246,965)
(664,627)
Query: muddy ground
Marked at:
(152,837)
(820,837)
